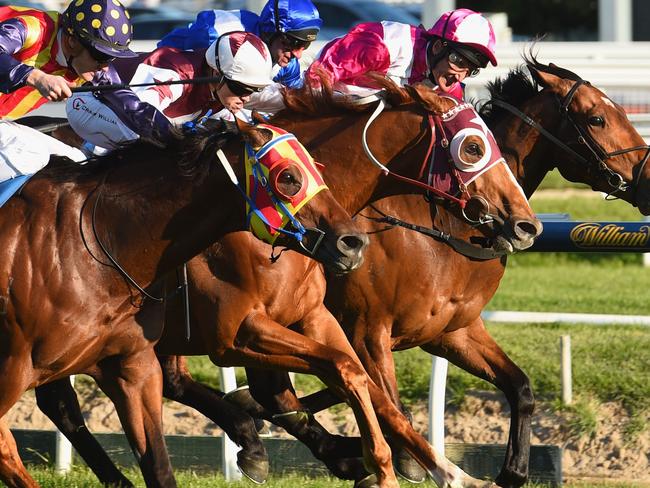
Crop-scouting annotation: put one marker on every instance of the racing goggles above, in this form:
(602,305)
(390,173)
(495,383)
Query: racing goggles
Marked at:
(241,90)
(293,43)
(459,61)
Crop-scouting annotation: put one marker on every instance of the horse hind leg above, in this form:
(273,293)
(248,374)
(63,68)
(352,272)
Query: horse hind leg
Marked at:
(134,384)
(474,350)
(178,385)
(59,402)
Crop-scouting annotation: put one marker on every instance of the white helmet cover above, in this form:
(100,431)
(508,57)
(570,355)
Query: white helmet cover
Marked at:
(241,57)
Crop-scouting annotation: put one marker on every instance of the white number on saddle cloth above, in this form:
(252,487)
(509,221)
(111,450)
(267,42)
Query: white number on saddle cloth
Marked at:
(24,151)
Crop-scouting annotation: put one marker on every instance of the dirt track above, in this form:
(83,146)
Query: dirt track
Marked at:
(483,419)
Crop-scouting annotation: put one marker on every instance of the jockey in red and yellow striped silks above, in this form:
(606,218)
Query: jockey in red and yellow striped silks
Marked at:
(40,49)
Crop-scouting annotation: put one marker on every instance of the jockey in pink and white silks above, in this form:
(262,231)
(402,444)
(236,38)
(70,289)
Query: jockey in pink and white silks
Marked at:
(240,62)
(459,44)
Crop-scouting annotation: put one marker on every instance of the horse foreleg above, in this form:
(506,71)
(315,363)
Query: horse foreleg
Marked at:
(263,343)
(473,349)
(134,384)
(377,359)
(12,470)
(59,402)
(341,455)
(179,385)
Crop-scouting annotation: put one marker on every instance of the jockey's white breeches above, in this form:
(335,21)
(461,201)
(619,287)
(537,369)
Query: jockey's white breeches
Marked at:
(24,151)
(96,123)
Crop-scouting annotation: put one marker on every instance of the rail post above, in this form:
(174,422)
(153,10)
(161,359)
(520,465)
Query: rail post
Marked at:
(437,385)
(229,464)
(63,453)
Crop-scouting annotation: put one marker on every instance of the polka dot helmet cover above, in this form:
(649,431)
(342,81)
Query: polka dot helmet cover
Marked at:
(104,24)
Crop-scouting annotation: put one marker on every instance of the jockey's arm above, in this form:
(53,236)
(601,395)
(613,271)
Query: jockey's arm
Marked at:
(14,74)
(142,118)
(350,58)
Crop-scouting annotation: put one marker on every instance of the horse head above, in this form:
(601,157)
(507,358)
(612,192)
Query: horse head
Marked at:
(289,205)
(467,169)
(590,137)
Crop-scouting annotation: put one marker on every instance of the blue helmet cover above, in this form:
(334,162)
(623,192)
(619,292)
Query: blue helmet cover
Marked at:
(292,15)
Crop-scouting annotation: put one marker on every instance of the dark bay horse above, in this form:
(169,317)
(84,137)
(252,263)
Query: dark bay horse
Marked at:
(240,314)
(84,245)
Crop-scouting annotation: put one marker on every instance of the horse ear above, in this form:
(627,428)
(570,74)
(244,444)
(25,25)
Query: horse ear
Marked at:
(255,136)
(551,81)
(423,94)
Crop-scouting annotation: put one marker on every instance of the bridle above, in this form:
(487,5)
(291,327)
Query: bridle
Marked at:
(461,198)
(599,157)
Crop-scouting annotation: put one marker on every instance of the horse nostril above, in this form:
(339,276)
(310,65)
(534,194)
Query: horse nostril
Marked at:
(352,243)
(526,229)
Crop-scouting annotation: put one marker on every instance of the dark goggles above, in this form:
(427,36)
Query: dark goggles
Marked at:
(241,90)
(461,62)
(97,55)
(293,43)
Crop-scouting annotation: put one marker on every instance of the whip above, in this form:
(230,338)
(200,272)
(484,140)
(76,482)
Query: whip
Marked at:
(120,86)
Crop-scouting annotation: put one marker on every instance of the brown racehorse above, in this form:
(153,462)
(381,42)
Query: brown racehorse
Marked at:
(241,314)
(143,210)
(436,303)
(588,138)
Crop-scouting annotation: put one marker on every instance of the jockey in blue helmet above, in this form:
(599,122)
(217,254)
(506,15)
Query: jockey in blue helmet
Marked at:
(286,26)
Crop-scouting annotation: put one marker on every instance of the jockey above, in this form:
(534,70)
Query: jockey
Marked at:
(286,26)
(43,55)
(459,44)
(239,62)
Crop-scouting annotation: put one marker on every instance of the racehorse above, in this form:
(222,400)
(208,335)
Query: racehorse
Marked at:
(436,303)
(84,248)
(240,314)
(568,124)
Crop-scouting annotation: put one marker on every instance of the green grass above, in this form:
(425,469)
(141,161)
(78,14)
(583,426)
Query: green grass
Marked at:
(555,181)
(82,478)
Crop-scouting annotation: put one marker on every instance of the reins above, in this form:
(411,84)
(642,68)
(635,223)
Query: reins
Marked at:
(462,201)
(458,245)
(614,179)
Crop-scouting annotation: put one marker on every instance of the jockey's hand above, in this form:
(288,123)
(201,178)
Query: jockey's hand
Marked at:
(54,88)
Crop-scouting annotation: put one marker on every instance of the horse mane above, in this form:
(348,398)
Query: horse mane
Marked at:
(192,153)
(318,101)
(519,86)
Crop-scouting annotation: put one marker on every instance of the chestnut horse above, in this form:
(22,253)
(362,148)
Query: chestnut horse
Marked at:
(436,303)
(240,315)
(84,247)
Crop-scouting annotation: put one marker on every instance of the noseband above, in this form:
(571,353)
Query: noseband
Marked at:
(598,162)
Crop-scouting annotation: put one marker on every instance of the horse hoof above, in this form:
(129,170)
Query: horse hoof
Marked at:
(408,468)
(262,428)
(254,468)
(369,481)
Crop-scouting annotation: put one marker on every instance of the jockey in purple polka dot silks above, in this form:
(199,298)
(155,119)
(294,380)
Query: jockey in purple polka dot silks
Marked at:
(42,56)
(238,64)
(459,44)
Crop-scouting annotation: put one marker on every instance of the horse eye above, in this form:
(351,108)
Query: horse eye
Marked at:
(474,149)
(596,121)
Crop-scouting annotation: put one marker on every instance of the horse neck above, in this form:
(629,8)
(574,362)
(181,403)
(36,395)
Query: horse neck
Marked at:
(352,178)
(528,153)
(153,218)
